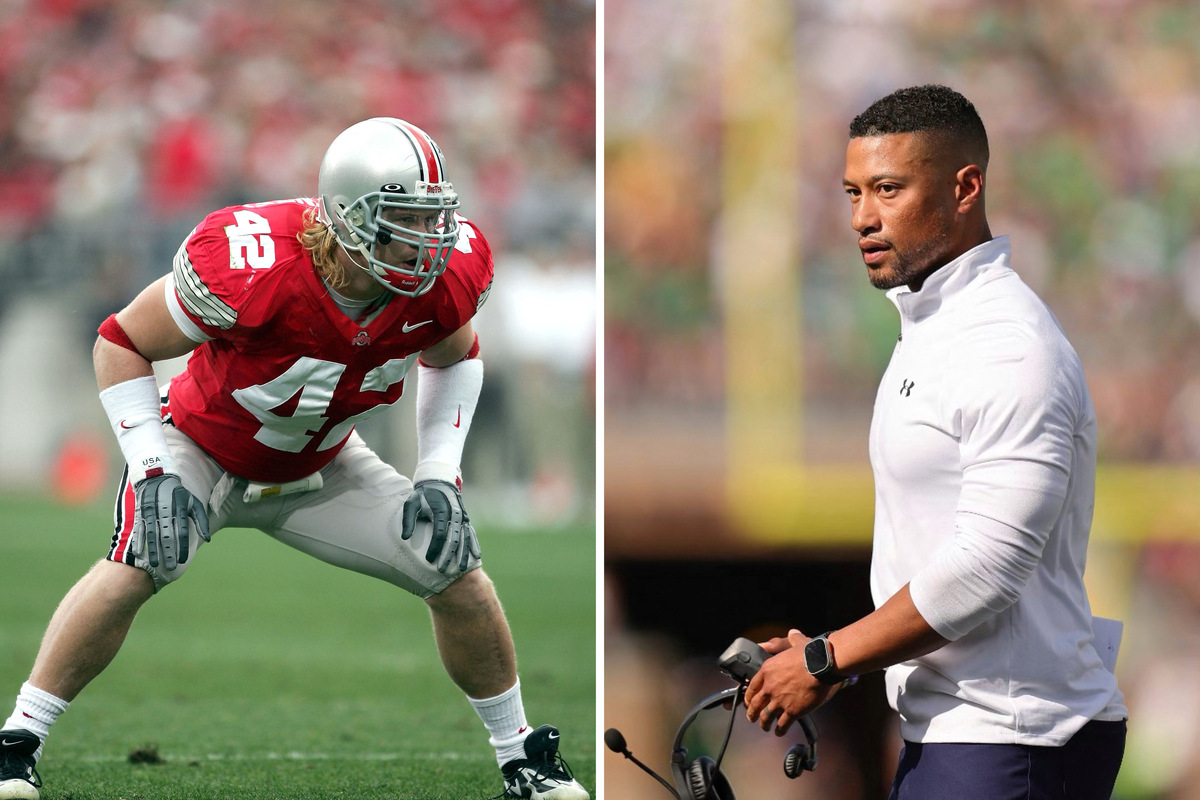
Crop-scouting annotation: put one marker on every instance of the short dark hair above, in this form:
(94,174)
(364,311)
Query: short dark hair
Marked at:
(934,109)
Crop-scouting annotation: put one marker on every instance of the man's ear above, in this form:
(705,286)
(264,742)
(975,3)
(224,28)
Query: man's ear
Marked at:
(968,187)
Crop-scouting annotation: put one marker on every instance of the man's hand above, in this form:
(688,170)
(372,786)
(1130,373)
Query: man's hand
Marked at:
(165,513)
(440,503)
(783,690)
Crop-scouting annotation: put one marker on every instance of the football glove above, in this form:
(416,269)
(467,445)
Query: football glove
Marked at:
(166,513)
(453,537)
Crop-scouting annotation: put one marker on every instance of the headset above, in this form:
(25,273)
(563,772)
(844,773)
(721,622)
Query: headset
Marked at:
(701,778)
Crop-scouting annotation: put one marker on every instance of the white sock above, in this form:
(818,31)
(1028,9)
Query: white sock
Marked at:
(35,712)
(504,718)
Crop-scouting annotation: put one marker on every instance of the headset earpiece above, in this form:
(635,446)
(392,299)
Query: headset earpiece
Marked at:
(699,776)
(705,781)
(794,762)
(802,757)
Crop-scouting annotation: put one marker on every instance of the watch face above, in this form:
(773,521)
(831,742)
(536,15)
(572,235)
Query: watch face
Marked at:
(816,656)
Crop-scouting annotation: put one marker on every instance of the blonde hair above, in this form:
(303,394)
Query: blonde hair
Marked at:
(321,242)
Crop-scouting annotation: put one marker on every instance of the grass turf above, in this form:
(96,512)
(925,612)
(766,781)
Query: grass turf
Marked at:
(264,673)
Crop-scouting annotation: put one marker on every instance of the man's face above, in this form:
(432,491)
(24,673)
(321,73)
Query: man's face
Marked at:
(400,253)
(903,206)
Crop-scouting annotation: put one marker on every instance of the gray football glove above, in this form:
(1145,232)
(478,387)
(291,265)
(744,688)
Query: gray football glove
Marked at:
(166,513)
(453,537)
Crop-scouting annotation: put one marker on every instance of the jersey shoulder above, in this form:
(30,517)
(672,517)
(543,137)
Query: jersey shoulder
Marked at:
(235,251)
(468,276)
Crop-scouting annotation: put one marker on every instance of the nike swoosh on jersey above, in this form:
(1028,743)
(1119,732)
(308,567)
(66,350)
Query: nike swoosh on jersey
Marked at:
(407,328)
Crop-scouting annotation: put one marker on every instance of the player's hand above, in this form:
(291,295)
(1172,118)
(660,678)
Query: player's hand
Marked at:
(784,690)
(165,514)
(453,537)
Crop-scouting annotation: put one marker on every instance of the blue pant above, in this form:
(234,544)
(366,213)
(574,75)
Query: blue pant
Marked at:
(1085,768)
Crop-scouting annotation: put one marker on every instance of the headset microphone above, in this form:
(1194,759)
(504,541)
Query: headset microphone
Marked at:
(616,743)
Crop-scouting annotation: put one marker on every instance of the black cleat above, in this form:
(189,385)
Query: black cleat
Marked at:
(18,778)
(542,774)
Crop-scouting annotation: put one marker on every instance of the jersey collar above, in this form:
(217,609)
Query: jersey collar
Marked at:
(990,258)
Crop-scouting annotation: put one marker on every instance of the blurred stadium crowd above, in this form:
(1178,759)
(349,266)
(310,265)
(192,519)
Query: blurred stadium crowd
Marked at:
(1092,108)
(123,122)
(161,110)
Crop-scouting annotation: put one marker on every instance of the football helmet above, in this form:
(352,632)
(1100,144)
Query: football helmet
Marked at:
(373,172)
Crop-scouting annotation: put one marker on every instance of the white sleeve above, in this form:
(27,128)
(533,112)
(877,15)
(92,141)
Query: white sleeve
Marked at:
(446,400)
(1016,413)
(134,413)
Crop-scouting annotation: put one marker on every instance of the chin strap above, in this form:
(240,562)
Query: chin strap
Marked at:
(359,247)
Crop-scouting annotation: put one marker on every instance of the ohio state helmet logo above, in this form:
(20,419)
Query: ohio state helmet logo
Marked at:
(361,339)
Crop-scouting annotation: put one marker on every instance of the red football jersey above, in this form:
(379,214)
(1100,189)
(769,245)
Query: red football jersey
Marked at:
(285,375)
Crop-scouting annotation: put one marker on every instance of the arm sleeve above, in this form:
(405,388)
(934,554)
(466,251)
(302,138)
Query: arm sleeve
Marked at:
(134,413)
(446,400)
(1015,414)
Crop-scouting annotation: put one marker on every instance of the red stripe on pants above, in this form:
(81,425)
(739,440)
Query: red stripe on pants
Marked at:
(121,546)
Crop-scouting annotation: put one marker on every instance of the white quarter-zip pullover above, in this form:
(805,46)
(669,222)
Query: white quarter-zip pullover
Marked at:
(983,445)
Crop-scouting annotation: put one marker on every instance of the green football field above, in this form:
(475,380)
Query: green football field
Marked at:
(264,673)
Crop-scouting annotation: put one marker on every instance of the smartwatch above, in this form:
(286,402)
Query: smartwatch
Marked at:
(818,659)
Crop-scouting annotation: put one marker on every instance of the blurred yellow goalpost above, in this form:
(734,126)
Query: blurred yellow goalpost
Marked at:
(770,493)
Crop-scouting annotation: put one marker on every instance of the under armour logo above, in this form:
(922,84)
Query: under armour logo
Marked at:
(906,387)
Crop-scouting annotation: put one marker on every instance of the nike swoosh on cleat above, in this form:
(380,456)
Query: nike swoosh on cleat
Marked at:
(407,328)
(7,743)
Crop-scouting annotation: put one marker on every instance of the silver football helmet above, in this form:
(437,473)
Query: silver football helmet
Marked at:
(373,172)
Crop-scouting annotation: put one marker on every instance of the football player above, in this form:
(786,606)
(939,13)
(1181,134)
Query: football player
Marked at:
(302,318)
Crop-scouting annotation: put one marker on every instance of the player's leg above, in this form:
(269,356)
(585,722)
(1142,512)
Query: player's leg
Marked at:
(84,635)
(89,626)
(477,650)
(354,522)
(472,636)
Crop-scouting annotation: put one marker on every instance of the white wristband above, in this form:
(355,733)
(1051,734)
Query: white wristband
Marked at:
(134,413)
(446,400)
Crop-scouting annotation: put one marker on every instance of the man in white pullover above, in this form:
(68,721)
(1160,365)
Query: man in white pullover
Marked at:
(983,446)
